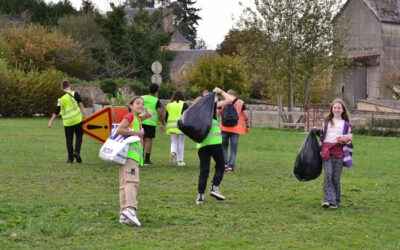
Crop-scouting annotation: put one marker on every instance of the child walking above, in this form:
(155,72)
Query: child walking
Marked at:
(174,111)
(129,172)
(335,154)
(212,147)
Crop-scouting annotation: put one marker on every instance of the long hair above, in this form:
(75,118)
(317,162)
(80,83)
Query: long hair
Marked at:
(330,116)
(132,101)
(178,96)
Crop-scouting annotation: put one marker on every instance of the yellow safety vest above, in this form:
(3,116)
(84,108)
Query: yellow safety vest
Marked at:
(70,111)
(135,151)
(213,137)
(174,113)
(150,102)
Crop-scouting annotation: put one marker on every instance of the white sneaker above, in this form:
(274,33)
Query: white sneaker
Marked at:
(325,204)
(130,214)
(172,159)
(181,163)
(216,194)
(123,220)
(200,199)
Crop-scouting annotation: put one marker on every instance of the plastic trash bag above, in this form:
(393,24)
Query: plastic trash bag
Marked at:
(196,121)
(115,149)
(308,164)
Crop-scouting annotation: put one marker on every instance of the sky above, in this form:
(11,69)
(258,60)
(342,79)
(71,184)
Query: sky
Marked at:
(216,16)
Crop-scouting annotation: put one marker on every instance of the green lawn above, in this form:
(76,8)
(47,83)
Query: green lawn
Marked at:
(49,204)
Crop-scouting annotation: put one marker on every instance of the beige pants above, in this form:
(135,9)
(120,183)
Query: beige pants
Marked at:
(128,184)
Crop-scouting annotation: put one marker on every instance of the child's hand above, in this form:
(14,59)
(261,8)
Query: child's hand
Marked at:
(149,111)
(217,90)
(139,133)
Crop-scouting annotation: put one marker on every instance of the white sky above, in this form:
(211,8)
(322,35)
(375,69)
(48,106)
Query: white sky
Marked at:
(216,16)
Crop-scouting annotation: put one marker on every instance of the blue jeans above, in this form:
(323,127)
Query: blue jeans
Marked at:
(234,138)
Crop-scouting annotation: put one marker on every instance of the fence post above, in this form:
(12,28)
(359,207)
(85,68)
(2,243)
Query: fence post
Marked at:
(279,118)
(251,117)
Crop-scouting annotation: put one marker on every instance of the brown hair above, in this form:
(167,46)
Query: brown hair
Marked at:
(132,101)
(65,84)
(330,116)
(178,96)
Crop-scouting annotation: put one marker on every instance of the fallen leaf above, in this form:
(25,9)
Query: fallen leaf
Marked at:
(13,234)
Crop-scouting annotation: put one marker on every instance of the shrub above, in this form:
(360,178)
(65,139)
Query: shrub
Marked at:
(34,47)
(109,86)
(138,87)
(166,90)
(26,94)
(225,72)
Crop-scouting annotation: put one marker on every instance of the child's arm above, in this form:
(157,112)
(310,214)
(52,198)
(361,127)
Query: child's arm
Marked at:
(147,115)
(123,129)
(51,120)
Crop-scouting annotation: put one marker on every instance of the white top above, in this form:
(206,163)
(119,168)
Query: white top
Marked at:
(333,131)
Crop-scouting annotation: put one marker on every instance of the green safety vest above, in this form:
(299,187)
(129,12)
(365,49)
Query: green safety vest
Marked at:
(70,111)
(214,136)
(150,102)
(120,97)
(174,113)
(135,151)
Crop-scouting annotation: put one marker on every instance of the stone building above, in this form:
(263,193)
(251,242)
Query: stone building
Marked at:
(372,40)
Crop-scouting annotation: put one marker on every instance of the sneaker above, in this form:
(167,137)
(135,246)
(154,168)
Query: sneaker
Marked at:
(325,205)
(216,194)
(130,214)
(148,164)
(333,206)
(230,170)
(172,159)
(123,220)
(70,162)
(200,199)
(181,163)
(226,168)
(77,157)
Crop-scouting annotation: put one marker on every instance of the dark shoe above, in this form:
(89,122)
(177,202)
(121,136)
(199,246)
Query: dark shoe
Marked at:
(325,204)
(148,164)
(70,162)
(77,157)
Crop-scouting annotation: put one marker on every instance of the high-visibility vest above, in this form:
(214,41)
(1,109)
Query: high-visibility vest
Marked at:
(70,111)
(240,128)
(174,113)
(135,151)
(120,97)
(213,137)
(150,102)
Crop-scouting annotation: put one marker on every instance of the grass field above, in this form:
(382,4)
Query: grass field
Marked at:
(48,204)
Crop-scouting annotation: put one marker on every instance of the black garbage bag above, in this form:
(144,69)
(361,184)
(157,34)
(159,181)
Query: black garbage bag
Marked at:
(196,121)
(308,164)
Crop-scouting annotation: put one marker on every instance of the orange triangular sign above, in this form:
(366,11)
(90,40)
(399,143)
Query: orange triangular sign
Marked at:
(119,113)
(98,125)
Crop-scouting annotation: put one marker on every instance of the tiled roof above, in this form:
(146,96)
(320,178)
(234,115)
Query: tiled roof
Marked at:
(186,56)
(386,103)
(177,37)
(385,10)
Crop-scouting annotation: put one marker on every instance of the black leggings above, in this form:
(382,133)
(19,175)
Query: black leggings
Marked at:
(69,136)
(205,154)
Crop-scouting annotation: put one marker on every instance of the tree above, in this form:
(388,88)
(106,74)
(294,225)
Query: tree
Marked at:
(225,72)
(130,49)
(140,3)
(232,42)
(39,11)
(296,45)
(186,19)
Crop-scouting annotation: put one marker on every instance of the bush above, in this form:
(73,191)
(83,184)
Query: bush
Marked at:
(374,132)
(34,47)
(137,87)
(166,90)
(26,94)
(109,86)
(225,72)
(191,94)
